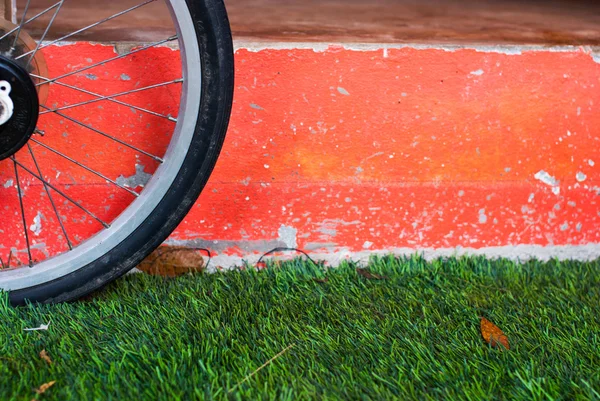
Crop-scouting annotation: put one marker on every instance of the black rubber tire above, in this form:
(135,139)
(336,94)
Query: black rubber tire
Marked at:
(216,48)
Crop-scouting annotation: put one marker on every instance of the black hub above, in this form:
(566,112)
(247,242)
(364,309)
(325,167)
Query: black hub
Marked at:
(15,133)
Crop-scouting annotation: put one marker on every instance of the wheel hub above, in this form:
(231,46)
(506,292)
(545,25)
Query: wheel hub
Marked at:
(17,92)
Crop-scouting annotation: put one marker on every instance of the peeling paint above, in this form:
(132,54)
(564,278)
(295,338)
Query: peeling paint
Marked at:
(288,235)
(139,179)
(482,216)
(36,227)
(343,91)
(518,253)
(548,180)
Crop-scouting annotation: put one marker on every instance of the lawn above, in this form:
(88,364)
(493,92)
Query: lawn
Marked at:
(408,331)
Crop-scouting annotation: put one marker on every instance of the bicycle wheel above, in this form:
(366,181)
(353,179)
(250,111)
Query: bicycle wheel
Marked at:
(72,220)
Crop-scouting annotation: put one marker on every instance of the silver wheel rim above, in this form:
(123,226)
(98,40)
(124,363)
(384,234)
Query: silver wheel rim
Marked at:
(141,208)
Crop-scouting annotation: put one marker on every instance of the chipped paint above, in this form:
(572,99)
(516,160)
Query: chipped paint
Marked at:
(36,227)
(288,235)
(517,253)
(139,179)
(548,180)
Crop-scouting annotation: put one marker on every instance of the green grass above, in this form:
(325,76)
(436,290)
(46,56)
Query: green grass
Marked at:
(413,336)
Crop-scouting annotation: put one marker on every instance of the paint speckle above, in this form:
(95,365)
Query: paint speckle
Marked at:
(548,180)
(8,183)
(267,166)
(578,227)
(91,76)
(581,177)
(125,77)
(36,227)
(367,244)
(507,169)
(477,73)
(482,216)
(255,106)
(591,162)
(139,179)
(343,91)
(531,198)
(461,193)
(564,226)
(288,235)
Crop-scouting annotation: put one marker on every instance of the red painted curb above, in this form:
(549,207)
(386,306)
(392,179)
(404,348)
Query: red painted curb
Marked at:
(369,150)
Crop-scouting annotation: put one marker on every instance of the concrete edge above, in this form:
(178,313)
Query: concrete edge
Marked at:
(257,46)
(517,253)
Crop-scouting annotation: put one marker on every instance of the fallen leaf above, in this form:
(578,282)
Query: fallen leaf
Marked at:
(172,261)
(321,280)
(493,335)
(44,355)
(370,276)
(45,387)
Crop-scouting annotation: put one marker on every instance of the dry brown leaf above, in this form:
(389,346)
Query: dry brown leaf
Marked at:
(321,280)
(493,335)
(370,276)
(44,355)
(45,387)
(172,261)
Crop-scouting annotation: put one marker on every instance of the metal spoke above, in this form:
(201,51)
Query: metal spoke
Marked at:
(85,167)
(174,37)
(168,117)
(45,33)
(50,197)
(158,159)
(89,26)
(22,211)
(70,106)
(12,48)
(67,197)
(30,20)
